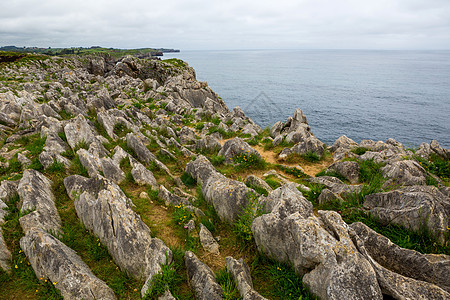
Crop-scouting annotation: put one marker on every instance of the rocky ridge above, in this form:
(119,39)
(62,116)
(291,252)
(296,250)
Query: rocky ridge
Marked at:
(111,146)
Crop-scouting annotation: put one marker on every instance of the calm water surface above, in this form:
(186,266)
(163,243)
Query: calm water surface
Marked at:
(362,94)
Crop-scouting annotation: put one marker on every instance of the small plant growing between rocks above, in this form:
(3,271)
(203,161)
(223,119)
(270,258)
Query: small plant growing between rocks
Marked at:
(246,161)
(242,227)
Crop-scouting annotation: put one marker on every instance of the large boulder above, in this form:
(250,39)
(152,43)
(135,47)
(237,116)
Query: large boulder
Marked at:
(412,207)
(36,197)
(78,130)
(234,147)
(105,211)
(144,155)
(53,260)
(432,268)
(397,286)
(142,175)
(229,197)
(348,169)
(318,247)
(405,172)
(201,279)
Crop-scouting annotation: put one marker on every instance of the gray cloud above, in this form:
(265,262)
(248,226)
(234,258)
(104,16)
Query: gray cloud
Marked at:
(232,24)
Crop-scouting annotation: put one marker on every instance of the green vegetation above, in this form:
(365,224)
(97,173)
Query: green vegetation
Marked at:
(249,162)
(276,280)
(225,279)
(437,166)
(242,227)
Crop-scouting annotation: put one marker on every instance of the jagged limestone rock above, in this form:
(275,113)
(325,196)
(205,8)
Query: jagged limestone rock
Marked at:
(348,169)
(229,197)
(412,207)
(53,260)
(398,286)
(201,279)
(170,198)
(236,146)
(105,210)
(318,247)
(242,278)
(142,175)
(36,197)
(405,172)
(432,268)
(78,130)
(253,180)
(208,242)
(5,254)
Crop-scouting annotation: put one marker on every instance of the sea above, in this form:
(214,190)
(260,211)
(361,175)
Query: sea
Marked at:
(363,94)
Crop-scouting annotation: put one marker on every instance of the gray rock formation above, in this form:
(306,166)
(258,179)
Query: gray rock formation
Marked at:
(201,279)
(405,172)
(111,170)
(36,197)
(53,260)
(319,247)
(328,196)
(208,242)
(78,130)
(253,180)
(412,207)
(348,169)
(432,268)
(142,175)
(236,146)
(228,196)
(105,210)
(396,285)
(170,198)
(5,254)
(335,185)
(242,278)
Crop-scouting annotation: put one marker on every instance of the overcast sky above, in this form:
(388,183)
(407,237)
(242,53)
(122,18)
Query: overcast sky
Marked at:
(228,24)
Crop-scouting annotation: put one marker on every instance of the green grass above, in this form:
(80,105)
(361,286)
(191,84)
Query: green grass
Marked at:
(360,150)
(422,241)
(258,189)
(242,227)
(293,171)
(22,280)
(272,182)
(249,162)
(171,277)
(437,166)
(188,180)
(225,280)
(275,280)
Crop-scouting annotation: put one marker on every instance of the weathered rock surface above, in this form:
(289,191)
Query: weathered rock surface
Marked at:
(335,185)
(253,180)
(242,278)
(348,169)
(431,268)
(236,146)
(405,172)
(412,207)
(78,130)
(105,210)
(201,279)
(52,259)
(318,247)
(396,285)
(328,196)
(111,170)
(208,242)
(170,198)
(142,175)
(36,197)
(228,196)
(5,254)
